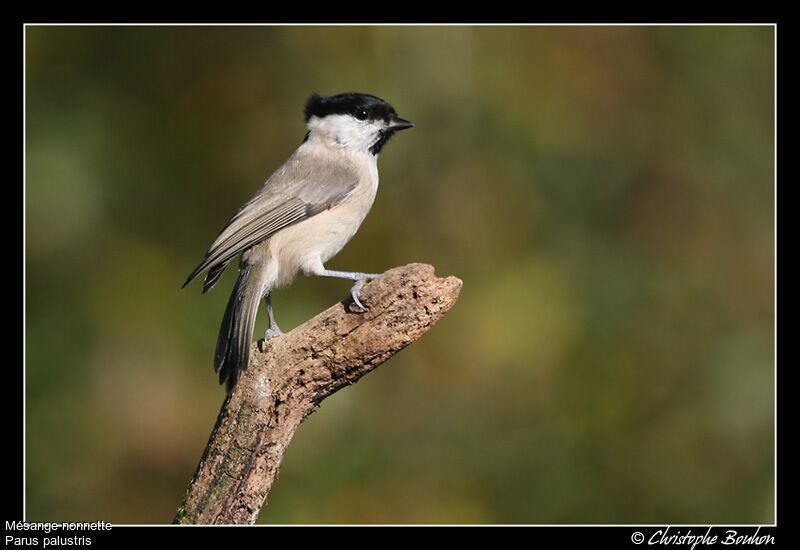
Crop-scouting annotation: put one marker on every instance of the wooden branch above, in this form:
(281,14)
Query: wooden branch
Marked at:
(289,378)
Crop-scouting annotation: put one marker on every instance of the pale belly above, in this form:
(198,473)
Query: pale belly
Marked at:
(306,246)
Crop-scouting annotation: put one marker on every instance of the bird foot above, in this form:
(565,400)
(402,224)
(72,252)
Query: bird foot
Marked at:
(272,332)
(355,292)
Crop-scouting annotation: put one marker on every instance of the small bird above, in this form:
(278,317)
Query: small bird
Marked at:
(300,218)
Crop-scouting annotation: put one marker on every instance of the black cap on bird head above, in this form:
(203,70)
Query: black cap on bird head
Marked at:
(362,107)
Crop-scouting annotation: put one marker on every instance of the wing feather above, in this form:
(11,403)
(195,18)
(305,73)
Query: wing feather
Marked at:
(298,190)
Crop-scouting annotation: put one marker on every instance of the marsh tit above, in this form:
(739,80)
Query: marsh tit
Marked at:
(300,218)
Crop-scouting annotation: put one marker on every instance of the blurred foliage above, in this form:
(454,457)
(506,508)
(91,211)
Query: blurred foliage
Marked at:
(605,193)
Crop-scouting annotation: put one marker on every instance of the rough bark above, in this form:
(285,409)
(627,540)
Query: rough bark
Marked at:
(292,374)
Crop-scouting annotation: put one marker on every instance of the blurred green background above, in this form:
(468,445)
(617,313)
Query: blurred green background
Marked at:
(605,193)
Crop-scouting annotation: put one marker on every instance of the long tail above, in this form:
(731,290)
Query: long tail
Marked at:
(236,332)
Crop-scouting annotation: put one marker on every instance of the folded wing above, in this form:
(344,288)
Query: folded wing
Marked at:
(295,192)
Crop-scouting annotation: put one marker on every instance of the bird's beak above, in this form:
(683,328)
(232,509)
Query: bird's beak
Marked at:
(400,124)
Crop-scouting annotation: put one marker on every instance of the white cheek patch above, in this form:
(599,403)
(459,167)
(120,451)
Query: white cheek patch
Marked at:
(346,130)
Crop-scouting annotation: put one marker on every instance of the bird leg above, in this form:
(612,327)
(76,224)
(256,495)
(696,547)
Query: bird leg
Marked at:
(273,329)
(359,278)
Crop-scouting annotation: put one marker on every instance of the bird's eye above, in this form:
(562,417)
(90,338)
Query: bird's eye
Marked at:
(361,114)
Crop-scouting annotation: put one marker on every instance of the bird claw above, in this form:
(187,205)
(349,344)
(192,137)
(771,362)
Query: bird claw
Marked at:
(272,332)
(356,290)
